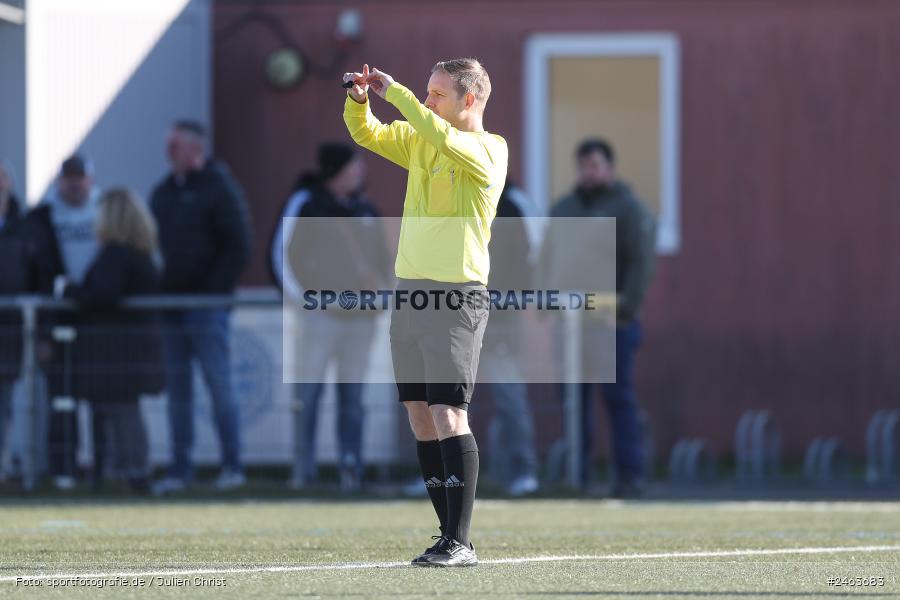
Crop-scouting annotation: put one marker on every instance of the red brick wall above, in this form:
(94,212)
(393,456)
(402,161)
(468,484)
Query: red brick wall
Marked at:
(784,294)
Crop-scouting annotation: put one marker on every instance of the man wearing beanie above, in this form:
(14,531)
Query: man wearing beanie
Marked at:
(456,175)
(328,239)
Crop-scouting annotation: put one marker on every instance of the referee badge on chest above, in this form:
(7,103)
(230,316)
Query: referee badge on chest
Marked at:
(441,197)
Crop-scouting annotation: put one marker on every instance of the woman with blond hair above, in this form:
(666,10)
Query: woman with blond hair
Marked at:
(119,350)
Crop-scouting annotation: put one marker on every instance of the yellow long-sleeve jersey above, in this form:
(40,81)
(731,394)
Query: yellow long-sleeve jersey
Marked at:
(454,184)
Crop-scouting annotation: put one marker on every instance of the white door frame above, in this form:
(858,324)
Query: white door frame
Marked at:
(540,48)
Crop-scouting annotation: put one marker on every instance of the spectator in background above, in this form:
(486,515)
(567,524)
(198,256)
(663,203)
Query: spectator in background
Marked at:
(600,193)
(120,350)
(15,278)
(204,236)
(61,228)
(336,243)
(513,460)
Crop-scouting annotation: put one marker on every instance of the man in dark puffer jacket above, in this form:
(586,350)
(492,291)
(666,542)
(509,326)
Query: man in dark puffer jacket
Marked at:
(204,237)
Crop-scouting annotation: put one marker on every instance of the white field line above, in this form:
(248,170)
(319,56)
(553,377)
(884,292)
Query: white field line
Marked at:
(498,561)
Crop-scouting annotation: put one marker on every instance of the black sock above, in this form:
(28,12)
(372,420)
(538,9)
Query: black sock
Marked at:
(461,468)
(432,465)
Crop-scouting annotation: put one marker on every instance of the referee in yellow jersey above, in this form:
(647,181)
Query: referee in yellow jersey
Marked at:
(456,175)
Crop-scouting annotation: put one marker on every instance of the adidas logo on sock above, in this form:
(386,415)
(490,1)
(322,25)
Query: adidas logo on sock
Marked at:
(433,483)
(452,481)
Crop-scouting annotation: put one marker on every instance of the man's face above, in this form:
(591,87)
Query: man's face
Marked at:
(444,99)
(183,150)
(351,178)
(594,171)
(75,189)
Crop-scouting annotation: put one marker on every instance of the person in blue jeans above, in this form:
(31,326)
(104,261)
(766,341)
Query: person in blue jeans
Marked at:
(204,237)
(201,335)
(599,193)
(347,343)
(623,414)
(329,238)
(349,434)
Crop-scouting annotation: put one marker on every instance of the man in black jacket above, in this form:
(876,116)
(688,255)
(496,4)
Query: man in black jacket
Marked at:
(204,236)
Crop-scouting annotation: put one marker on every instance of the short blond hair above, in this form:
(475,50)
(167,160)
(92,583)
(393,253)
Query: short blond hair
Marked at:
(469,75)
(125,219)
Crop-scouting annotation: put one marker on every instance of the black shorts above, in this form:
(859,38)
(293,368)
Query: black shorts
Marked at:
(435,347)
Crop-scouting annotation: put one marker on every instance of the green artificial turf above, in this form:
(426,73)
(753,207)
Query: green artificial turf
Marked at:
(221,537)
